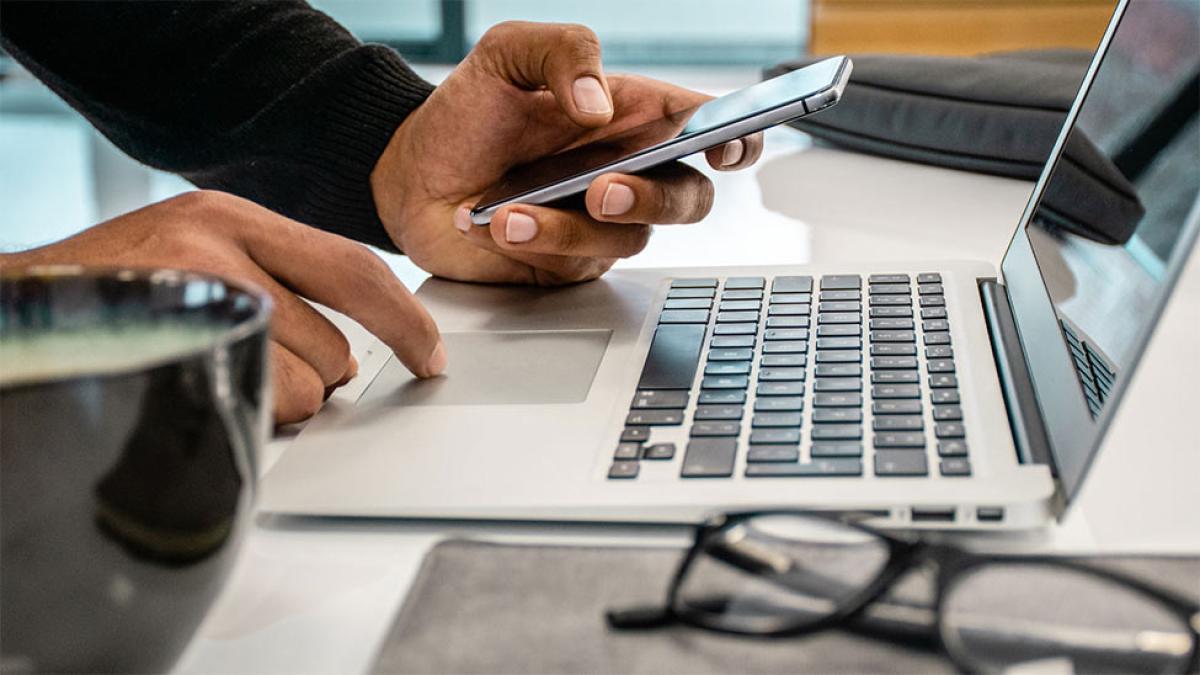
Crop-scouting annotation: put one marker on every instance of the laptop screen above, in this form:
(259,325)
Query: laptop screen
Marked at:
(1114,214)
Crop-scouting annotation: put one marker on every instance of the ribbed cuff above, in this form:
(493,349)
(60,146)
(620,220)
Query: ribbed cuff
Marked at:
(378,92)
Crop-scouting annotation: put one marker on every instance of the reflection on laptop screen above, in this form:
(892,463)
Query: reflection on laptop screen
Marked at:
(1114,208)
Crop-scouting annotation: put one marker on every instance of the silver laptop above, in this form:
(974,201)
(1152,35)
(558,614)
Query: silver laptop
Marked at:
(941,396)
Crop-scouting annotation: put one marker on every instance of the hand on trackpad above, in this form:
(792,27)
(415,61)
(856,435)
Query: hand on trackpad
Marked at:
(500,368)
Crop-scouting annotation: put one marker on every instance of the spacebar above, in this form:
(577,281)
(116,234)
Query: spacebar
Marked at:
(674,353)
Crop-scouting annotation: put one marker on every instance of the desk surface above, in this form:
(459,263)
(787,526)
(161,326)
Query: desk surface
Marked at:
(314,596)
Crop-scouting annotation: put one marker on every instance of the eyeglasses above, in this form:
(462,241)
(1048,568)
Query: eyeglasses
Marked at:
(787,573)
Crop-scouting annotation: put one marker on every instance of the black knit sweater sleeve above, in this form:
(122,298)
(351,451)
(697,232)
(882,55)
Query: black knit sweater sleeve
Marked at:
(273,101)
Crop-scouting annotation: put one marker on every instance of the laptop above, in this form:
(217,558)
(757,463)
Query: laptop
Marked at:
(950,395)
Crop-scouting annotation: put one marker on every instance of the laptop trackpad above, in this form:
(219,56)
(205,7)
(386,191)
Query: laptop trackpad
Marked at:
(500,368)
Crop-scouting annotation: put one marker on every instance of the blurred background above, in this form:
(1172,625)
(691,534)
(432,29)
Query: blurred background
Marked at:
(58,176)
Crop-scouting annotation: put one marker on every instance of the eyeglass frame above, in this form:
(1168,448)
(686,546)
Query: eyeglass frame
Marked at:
(951,563)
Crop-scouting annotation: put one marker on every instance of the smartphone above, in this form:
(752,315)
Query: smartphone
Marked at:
(770,102)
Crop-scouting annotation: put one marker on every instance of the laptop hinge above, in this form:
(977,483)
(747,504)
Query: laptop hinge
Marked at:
(1024,415)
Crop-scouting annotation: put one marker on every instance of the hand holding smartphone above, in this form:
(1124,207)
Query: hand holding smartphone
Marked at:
(746,111)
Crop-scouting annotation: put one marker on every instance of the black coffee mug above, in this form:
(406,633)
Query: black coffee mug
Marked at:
(133,405)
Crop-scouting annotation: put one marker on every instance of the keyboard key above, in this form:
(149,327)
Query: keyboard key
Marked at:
(725,382)
(832,282)
(683,316)
(839,330)
(780,374)
(742,295)
(893,349)
(791,298)
(654,418)
(740,283)
(716,429)
(774,436)
(722,396)
(890,301)
(839,317)
(737,317)
(898,423)
(659,451)
(706,282)
(949,430)
(888,279)
(956,466)
(933,313)
(779,404)
(623,469)
(896,407)
(933,325)
(776,419)
(635,434)
(933,300)
(942,381)
(837,400)
(944,396)
(735,329)
(661,398)
(939,352)
(937,338)
(785,347)
(837,432)
(839,306)
(728,368)
(900,463)
(929,278)
(787,322)
(890,289)
(739,306)
(697,303)
(827,449)
(628,451)
(838,370)
(891,310)
(946,413)
(940,366)
(789,310)
(818,468)
(792,284)
(893,336)
(672,360)
(780,389)
(895,377)
(892,324)
(691,293)
(732,342)
(894,362)
(783,360)
(718,412)
(896,391)
(730,355)
(709,458)
(952,447)
(930,289)
(840,295)
(773,334)
(839,343)
(843,356)
(836,415)
(773,453)
(900,439)
(825,384)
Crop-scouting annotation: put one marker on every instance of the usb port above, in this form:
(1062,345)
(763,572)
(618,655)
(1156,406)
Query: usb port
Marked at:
(933,514)
(989,514)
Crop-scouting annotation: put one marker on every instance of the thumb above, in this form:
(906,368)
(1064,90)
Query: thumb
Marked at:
(562,57)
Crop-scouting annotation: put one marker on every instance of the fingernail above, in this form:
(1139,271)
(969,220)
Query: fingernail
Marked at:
(618,199)
(733,153)
(462,219)
(519,228)
(437,360)
(589,96)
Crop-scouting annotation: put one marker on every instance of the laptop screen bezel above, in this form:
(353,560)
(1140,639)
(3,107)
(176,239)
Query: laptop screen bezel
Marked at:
(1055,382)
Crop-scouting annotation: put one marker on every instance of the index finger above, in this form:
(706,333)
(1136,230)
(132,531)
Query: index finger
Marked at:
(347,277)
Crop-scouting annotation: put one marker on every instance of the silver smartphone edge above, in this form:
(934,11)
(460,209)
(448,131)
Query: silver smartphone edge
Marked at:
(785,113)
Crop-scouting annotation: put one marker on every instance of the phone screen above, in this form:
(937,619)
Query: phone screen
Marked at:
(719,112)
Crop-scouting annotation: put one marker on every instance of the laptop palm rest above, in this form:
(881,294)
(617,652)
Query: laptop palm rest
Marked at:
(499,368)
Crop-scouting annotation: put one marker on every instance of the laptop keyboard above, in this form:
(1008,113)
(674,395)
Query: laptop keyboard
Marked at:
(786,369)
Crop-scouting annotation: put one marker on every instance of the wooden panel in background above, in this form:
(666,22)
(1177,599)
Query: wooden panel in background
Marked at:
(955,27)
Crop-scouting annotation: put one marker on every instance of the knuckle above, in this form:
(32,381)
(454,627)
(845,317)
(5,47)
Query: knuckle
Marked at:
(580,37)
(498,34)
(639,238)
(705,196)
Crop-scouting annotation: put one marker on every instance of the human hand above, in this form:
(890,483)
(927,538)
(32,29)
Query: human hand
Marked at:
(528,90)
(238,240)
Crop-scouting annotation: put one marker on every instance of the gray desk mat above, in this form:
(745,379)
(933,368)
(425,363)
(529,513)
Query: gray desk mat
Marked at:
(478,607)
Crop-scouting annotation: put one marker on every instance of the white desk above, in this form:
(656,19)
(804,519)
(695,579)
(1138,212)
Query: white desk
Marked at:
(317,597)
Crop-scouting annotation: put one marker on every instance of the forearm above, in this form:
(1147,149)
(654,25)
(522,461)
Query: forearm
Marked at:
(272,101)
